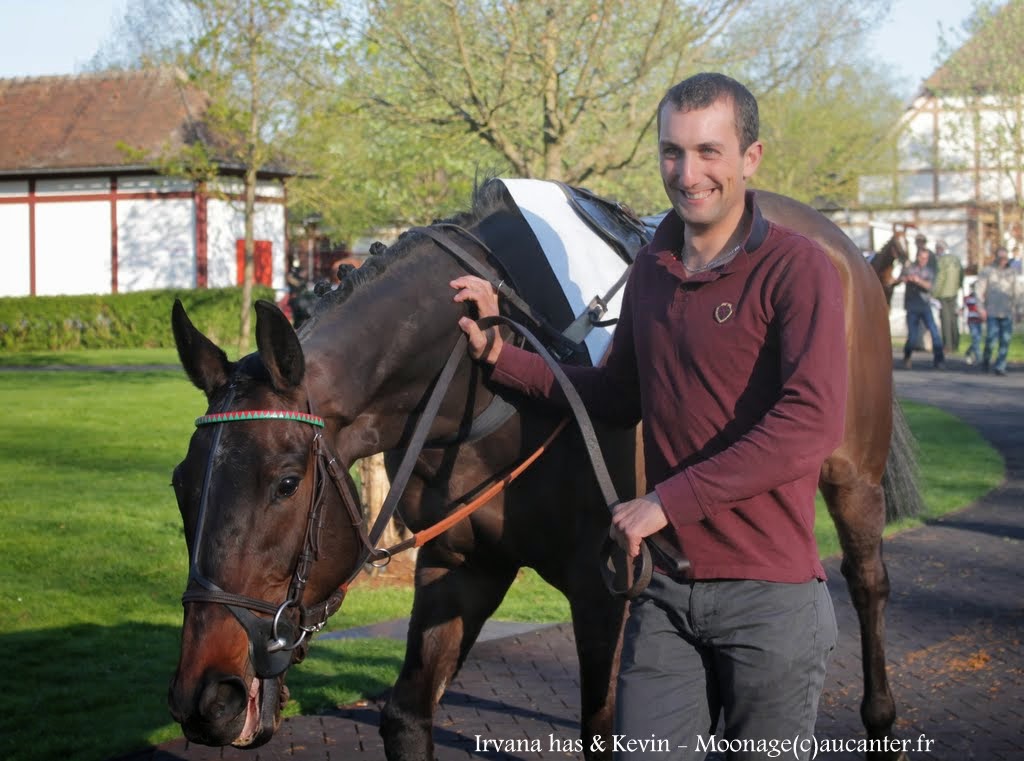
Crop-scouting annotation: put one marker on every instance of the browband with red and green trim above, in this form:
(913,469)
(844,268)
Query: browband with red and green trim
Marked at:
(240,415)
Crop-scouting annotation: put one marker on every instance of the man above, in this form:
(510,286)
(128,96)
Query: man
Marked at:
(999,289)
(919,279)
(921,241)
(731,348)
(949,279)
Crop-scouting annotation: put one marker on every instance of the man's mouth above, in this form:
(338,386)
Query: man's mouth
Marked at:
(698,195)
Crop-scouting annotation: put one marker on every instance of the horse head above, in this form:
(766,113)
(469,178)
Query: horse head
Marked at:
(256,511)
(889,260)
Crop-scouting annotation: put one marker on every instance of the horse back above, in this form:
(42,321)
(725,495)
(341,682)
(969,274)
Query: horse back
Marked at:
(868,343)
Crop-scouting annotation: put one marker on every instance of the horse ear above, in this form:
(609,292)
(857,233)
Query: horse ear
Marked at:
(279,347)
(206,365)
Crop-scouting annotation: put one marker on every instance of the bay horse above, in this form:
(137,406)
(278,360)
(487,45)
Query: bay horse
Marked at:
(270,524)
(892,254)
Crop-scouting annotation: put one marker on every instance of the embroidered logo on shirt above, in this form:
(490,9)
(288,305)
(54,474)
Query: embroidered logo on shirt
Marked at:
(723,311)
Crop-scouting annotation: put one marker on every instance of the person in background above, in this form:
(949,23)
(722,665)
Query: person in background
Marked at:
(919,280)
(949,279)
(975,320)
(921,241)
(999,290)
(730,346)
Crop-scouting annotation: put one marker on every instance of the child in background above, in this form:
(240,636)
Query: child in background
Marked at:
(975,319)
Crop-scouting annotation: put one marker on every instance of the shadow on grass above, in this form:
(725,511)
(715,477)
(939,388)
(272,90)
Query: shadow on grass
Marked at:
(88,692)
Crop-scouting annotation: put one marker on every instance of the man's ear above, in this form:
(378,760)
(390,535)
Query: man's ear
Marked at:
(752,158)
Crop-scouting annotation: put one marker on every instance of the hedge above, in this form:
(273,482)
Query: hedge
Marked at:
(118,321)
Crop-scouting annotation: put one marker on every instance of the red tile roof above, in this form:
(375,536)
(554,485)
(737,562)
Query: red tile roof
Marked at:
(51,124)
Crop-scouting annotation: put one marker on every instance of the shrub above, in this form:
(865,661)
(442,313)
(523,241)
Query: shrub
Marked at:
(117,321)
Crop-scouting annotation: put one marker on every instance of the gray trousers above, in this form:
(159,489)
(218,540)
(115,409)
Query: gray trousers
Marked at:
(753,651)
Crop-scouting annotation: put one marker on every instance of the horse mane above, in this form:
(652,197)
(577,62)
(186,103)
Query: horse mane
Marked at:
(887,255)
(489,196)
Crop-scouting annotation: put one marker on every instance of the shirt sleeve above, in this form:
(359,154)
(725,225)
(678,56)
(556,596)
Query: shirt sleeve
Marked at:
(610,391)
(804,426)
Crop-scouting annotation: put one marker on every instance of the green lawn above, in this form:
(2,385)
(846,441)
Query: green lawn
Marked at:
(1016,353)
(94,558)
(90,357)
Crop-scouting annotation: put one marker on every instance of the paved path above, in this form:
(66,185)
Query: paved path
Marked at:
(954,633)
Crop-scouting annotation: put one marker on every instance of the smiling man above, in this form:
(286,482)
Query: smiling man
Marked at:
(731,349)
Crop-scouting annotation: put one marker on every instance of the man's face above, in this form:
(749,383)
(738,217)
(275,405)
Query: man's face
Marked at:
(702,167)
(922,257)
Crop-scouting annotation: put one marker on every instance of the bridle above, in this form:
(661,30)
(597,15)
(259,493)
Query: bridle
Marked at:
(273,641)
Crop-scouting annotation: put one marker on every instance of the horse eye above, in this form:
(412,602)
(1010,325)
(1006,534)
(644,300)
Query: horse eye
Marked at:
(288,486)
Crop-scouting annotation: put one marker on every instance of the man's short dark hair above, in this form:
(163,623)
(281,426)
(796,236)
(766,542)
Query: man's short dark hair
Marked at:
(707,88)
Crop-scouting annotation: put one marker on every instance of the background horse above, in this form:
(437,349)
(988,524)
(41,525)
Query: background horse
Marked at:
(884,263)
(364,365)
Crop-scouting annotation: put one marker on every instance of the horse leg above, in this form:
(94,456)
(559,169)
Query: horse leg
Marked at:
(597,621)
(857,507)
(450,606)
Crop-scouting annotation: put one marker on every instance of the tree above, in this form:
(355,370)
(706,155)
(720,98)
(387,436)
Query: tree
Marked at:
(982,81)
(825,111)
(569,90)
(563,91)
(361,173)
(251,58)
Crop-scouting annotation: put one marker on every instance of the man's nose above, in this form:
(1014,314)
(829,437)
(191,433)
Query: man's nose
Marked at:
(686,170)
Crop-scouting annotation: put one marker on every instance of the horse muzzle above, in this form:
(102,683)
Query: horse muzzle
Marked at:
(225,710)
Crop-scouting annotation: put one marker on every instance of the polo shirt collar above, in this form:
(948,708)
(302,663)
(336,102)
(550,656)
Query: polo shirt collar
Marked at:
(669,236)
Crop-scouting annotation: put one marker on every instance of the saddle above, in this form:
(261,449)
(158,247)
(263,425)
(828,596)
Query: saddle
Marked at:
(585,245)
(617,224)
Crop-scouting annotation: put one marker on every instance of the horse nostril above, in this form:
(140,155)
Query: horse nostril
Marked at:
(223,700)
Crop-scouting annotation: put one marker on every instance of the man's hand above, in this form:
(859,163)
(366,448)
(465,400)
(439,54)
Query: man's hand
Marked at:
(635,520)
(483,345)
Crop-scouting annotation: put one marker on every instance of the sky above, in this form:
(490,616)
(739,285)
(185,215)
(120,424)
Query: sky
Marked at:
(40,37)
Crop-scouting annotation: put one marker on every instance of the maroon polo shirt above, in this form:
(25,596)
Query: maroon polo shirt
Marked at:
(739,375)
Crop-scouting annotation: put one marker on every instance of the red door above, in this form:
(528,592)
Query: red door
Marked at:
(263,252)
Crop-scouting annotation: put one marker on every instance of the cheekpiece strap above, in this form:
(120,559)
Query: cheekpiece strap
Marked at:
(242,415)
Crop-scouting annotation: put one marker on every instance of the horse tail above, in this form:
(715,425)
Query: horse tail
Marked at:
(900,480)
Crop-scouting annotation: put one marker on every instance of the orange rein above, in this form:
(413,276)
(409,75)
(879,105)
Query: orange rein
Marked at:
(422,537)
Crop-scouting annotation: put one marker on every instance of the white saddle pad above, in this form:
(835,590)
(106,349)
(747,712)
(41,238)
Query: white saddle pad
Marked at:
(583,263)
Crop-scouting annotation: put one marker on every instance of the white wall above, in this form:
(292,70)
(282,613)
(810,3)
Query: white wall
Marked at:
(226,226)
(72,248)
(14,237)
(156,244)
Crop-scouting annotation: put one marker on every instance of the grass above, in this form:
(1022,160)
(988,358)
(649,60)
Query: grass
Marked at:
(1015,354)
(90,357)
(94,559)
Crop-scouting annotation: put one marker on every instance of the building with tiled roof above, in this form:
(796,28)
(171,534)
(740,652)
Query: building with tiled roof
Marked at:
(953,179)
(85,209)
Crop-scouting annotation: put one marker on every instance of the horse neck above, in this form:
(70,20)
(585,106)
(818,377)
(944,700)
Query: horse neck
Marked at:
(372,360)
